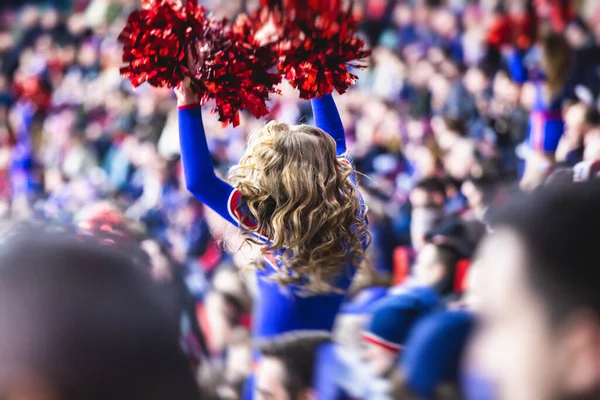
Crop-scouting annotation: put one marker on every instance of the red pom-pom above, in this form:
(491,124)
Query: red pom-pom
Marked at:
(164,42)
(235,70)
(155,41)
(318,46)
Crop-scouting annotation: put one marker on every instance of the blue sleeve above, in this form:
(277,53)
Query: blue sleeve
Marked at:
(198,170)
(516,66)
(327,118)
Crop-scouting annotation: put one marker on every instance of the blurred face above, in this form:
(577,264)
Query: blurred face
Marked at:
(524,356)
(422,13)
(475,81)
(574,121)
(513,343)
(49,19)
(444,22)
(469,297)
(379,359)
(512,93)
(423,219)
(30,17)
(87,56)
(239,361)
(421,73)
(440,89)
(460,160)
(160,270)
(592,151)
(575,36)
(403,15)
(527,97)
(473,195)
(425,164)
(270,380)
(228,281)
(423,216)
(427,269)
(218,325)
(76,24)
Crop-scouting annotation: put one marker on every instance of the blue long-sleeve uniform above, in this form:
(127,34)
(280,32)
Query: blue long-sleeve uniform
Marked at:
(277,310)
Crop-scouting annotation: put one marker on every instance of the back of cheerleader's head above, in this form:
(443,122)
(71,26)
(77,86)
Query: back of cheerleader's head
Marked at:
(301,197)
(288,153)
(286,165)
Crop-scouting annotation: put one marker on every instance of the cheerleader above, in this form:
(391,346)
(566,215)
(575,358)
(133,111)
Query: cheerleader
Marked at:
(293,192)
(546,122)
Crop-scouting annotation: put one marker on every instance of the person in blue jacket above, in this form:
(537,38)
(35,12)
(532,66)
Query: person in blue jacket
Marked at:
(294,193)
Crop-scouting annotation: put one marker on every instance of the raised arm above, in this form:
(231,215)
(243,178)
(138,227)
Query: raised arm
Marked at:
(198,170)
(327,118)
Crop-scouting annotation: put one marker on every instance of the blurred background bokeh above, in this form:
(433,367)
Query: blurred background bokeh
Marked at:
(463,102)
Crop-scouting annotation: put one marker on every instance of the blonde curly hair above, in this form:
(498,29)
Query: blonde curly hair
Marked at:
(300,195)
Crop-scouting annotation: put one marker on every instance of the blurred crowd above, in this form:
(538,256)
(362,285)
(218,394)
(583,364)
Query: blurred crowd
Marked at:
(463,104)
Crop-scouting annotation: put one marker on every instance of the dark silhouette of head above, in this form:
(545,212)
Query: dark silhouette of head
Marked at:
(538,290)
(81,321)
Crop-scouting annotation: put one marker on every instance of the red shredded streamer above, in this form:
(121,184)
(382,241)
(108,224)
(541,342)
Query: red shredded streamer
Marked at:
(319,44)
(225,62)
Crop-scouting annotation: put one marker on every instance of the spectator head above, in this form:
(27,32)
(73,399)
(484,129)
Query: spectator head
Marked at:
(461,160)
(238,365)
(436,264)
(592,145)
(50,19)
(427,200)
(578,33)
(480,192)
(424,159)
(444,22)
(30,17)
(228,280)
(81,321)
(581,116)
(287,365)
(393,319)
(448,128)
(560,177)
(223,313)
(575,120)
(161,264)
(476,82)
(539,296)
(403,15)
(505,89)
(431,363)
